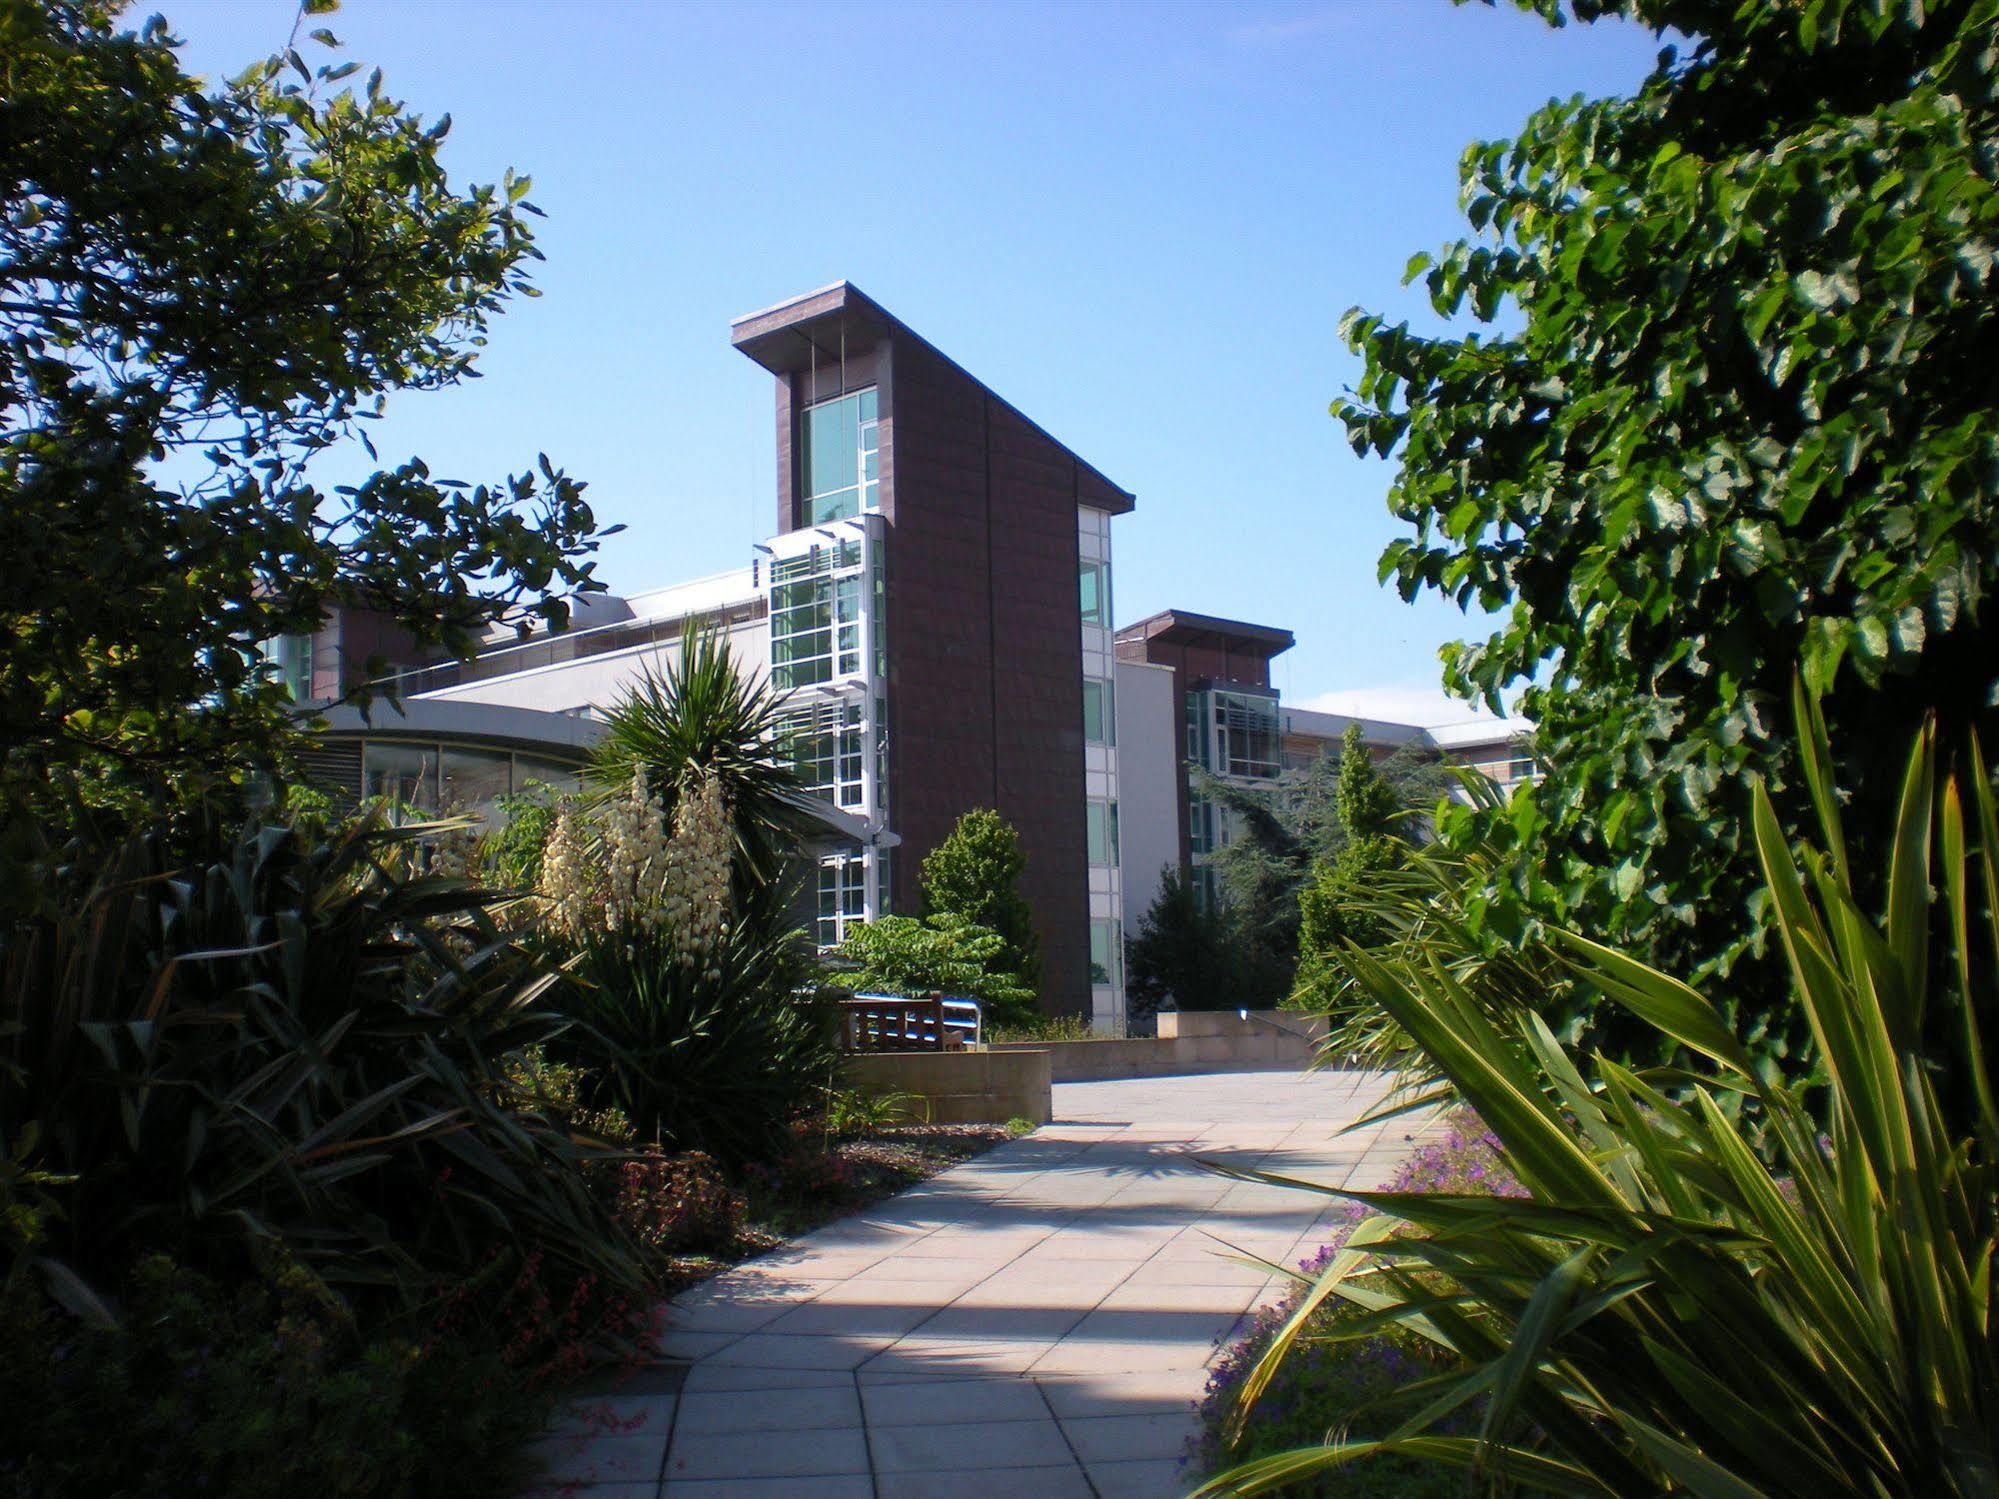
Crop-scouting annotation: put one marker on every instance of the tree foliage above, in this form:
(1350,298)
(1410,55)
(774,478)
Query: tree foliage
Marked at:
(1186,955)
(1288,836)
(975,873)
(1733,410)
(942,953)
(202,289)
(1331,904)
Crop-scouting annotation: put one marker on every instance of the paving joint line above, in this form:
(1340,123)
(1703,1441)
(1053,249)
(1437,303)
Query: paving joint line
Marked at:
(1048,1405)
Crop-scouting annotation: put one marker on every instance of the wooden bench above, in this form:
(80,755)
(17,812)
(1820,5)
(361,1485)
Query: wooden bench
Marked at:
(874,1022)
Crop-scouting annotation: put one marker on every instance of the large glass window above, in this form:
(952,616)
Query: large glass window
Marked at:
(1103,832)
(839,457)
(1099,713)
(1096,594)
(843,896)
(474,780)
(815,616)
(551,773)
(405,775)
(825,748)
(1106,950)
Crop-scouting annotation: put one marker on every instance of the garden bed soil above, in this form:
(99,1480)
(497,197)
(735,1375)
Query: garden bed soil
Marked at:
(818,1187)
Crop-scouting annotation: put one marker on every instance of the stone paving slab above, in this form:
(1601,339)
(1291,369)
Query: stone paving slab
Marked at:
(1038,1321)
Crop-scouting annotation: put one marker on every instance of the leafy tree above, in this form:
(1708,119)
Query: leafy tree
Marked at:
(1734,409)
(1330,910)
(941,953)
(975,874)
(1288,835)
(203,288)
(1187,953)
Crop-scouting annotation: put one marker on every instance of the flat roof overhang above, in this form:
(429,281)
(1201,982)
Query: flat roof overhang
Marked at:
(820,327)
(817,328)
(1238,637)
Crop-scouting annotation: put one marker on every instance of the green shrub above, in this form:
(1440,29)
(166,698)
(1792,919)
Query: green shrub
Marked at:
(1688,1302)
(292,1045)
(1424,913)
(512,851)
(850,1112)
(266,1390)
(944,953)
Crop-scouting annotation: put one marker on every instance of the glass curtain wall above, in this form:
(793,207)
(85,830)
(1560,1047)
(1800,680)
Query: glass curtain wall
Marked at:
(815,615)
(839,458)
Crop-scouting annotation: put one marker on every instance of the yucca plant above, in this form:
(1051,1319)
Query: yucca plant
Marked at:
(719,1056)
(1689,1301)
(704,714)
(296,1047)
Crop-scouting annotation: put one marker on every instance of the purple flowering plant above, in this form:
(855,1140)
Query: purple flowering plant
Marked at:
(1329,1380)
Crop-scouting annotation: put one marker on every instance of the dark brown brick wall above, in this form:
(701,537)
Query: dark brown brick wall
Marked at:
(985,645)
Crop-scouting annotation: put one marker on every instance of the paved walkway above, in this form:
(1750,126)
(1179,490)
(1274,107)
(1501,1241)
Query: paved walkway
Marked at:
(1036,1322)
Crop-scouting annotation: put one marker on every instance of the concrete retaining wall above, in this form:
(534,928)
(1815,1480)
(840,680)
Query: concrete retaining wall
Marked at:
(961,1087)
(1189,1041)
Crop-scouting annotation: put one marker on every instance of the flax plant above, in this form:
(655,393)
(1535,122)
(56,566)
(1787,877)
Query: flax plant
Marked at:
(1682,1306)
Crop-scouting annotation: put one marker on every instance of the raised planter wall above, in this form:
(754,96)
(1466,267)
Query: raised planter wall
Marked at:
(961,1087)
(1188,1041)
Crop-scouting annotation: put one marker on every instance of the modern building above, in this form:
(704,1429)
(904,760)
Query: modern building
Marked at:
(935,598)
(1195,698)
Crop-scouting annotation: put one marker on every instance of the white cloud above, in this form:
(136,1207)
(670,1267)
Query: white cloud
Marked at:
(1426,707)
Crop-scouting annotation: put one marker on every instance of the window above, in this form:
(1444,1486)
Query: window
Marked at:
(290,659)
(1103,832)
(1106,950)
(1096,594)
(1247,739)
(473,780)
(824,746)
(405,775)
(1521,767)
(1200,824)
(560,778)
(815,616)
(839,458)
(1099,713)
(843,897)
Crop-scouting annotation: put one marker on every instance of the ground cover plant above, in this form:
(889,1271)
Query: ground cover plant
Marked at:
(1694,1297)
(1339,1375)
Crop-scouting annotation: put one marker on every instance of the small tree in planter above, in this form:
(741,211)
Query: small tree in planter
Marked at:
(975,874)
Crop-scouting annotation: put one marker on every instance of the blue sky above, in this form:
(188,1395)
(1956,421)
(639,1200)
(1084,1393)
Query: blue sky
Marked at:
(1140,223)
